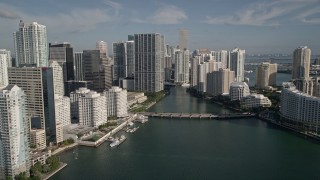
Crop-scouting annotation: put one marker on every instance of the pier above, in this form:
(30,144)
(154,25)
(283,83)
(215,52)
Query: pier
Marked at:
(199,115)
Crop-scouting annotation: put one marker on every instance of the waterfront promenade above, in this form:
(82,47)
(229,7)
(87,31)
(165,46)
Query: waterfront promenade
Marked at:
(199,115)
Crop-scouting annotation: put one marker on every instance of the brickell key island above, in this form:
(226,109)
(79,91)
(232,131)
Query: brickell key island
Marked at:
(166,99)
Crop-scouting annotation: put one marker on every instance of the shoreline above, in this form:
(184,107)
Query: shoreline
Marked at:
(290,129)
(63,165)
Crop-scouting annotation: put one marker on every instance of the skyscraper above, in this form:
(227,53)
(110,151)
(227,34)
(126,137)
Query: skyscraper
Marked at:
(29,79)
(14,132)
(149,58)
(63,54)
(94,70)
(195,61)
(103,47)
(78,64)
(237,63)
(266,75)
(3,70)
(183,39)
(301,63)
(221,56)
(30,44)
(57,78)
(8,55)
(181,66)
(123,57)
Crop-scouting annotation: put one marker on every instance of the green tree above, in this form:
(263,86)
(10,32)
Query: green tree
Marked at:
(36,169)
(53,162)
(21,176)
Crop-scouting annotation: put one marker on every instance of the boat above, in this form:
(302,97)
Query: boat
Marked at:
(133,130)
(118,141)
(130,124)
(142,119)
(110,138)
(122,138)
(115,142)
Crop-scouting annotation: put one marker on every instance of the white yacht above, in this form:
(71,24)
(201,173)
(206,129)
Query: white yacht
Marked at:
(115,142)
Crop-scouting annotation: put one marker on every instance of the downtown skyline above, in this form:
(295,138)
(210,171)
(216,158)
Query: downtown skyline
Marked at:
(258,26)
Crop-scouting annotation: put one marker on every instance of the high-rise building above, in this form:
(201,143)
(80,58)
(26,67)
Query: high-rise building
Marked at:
(14,132)
(183,39)
(108,74)
(57,78)
(218,82)
(103,47)
(117,103)
(195,61)
(63,54)
(221,56)
(40,86)
(266,75)
(94,69)
(149,58)
(78,64)
(182,66)
(8,55)
(301,63)
(29,79)
(30,44)
(238,90)
(3,70)
(62,110)
(237,58)
(202,77)
(123,57)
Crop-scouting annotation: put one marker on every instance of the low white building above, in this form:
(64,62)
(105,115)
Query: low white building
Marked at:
(38,138)
(299,107)
(238,90)
(40,157)
(116,102)
(254,101)
(136,97)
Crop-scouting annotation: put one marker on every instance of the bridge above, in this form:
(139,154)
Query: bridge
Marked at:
(198,115)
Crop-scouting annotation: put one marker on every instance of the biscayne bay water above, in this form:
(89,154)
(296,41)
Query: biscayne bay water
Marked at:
(197,149)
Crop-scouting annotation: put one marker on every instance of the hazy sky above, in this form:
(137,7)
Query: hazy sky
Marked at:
(269,26)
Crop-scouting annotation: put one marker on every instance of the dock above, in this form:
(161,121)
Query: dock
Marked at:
(199,115)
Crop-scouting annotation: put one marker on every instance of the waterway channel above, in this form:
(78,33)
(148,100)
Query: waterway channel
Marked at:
(197,149)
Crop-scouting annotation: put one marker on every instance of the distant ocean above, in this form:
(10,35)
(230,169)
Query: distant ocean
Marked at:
(278,60)
(273,59)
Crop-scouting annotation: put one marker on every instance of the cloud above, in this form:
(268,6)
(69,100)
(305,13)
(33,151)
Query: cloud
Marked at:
(114,5)
(7,12)
(264,13)
(165,15)
(310,16)
(76,20)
